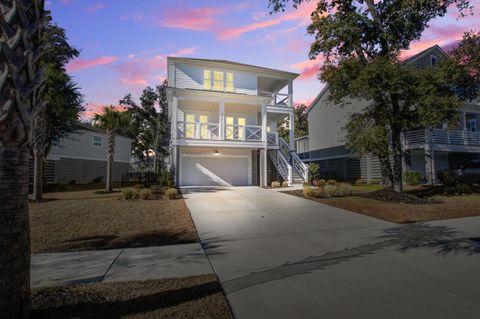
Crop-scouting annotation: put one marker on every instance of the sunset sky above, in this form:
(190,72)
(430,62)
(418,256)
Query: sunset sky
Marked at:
(124,43)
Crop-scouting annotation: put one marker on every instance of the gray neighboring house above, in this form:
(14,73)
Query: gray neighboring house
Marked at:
(82,157)
(427,150)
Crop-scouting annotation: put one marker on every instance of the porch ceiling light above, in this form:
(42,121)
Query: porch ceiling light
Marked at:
(216,153)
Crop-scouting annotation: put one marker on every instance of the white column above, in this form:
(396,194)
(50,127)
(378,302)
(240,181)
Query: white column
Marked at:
(221,119)
(264,123)
(290,93)
(292,131)
(173,120)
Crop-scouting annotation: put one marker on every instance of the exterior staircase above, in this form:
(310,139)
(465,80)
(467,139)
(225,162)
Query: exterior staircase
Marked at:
(288,164)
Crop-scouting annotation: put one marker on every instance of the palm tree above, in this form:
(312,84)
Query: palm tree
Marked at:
(112,122)
(22,44)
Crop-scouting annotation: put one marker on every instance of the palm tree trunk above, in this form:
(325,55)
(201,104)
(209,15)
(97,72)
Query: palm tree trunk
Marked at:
(14,232)
(110,155)
(37,176)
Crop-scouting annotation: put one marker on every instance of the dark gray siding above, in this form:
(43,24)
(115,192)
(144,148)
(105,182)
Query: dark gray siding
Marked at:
(85,171)
(255,172)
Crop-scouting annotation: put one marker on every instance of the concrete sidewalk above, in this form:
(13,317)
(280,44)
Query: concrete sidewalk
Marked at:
(118,265)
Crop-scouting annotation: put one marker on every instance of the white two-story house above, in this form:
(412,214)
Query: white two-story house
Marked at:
(224,118)
(426,150)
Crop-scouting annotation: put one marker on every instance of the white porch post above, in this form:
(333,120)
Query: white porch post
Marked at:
(174,120)
(264,123)
(291,127)
(221,119)
(290,93)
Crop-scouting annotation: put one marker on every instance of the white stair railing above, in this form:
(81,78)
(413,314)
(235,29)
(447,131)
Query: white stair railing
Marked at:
(294,160)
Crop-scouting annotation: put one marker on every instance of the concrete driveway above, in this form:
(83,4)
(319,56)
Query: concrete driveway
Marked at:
(280,256)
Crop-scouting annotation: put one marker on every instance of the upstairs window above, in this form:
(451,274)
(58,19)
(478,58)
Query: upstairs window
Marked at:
(433,60)
(218,81)
(97,141)
(207,79)
(230,85)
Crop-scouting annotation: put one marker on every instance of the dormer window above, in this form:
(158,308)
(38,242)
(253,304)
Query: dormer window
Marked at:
(218,81)
(433,59)
(207,79)
(230,84)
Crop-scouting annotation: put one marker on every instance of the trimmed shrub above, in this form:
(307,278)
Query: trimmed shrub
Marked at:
(319,183)
(276,184)
(330,190)
(158,189)
(139,186)
(307,184)
(145,193)
(97,180)
(344,189)
(72,182)
(331,182)
(54,188)
(413,178)
(285,184)
(129,193)
(308,191)
(171,193)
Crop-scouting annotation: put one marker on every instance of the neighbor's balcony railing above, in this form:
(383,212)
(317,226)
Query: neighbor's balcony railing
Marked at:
(277,99)
(442,136)
(212,131)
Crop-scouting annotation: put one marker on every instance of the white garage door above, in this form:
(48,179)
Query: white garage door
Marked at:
(214,171)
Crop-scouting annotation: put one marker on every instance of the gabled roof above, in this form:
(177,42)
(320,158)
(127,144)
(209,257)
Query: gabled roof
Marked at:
(407,61)
(92,128)
(420,54)
(227,62)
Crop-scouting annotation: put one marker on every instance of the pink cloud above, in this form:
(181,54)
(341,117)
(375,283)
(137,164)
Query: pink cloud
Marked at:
(309,69)
(307,101)
(96,108)
(303,13)
(95,7)
(81,64)
(198,19)
(137,71)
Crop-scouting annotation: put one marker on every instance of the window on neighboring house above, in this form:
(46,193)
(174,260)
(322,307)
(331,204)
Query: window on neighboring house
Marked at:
(472,125)
(207,79)
(97,141)
(230,87)
(433,60)
(218,81)
(57,142)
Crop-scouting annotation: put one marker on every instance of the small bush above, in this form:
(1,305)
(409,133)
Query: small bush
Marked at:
(145,193)
(313,169)
(330,190)
(54,188)
(276,184)
(307,184)
(171,193)
(448,178)
(460,189)
(97,180)
(319,183)
(129,193)
(308,191)
(331,182)
(139,186)
(285,184)
(344,189)
(72,182)
(158,189)
(413,178)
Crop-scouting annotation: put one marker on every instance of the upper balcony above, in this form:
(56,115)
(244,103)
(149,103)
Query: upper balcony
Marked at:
(197,132)
(441,138)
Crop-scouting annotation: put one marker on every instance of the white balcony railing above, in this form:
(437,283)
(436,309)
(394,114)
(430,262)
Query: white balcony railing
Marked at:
(277,99)
(212,131)
(442,137)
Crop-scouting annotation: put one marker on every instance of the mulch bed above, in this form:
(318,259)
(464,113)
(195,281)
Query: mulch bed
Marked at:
(395,197)
(190,297)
